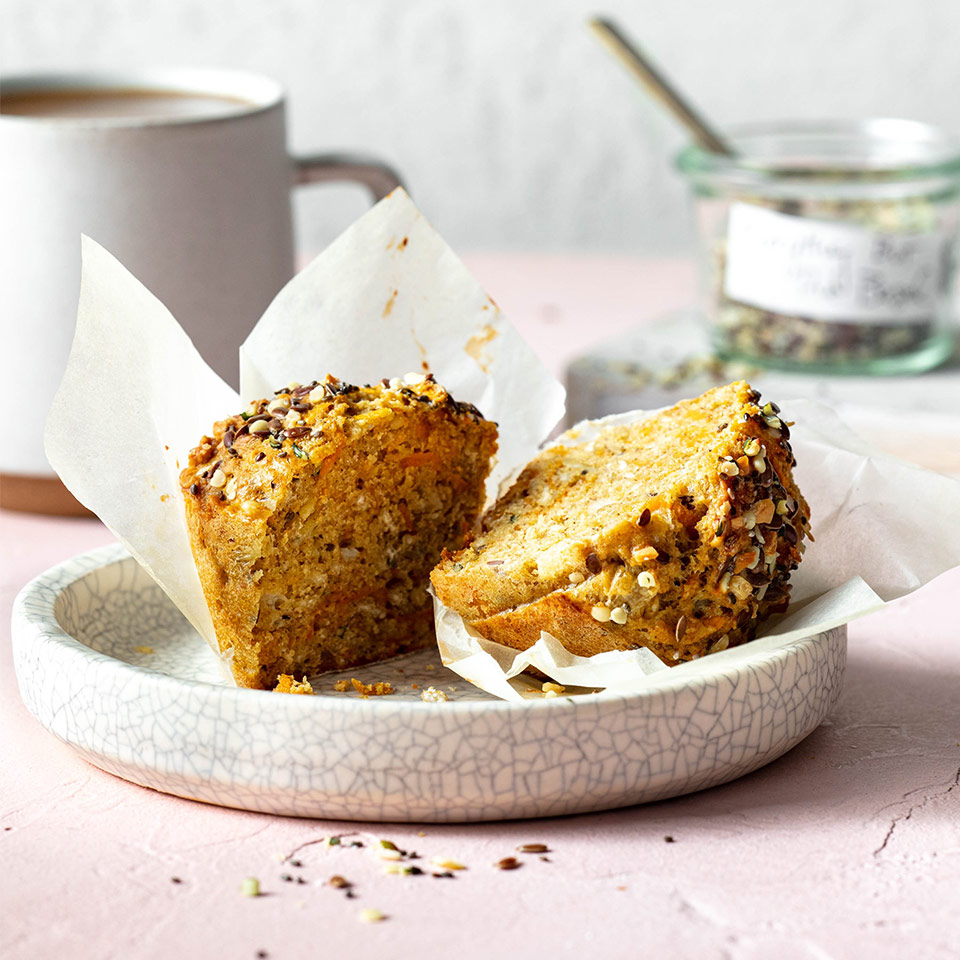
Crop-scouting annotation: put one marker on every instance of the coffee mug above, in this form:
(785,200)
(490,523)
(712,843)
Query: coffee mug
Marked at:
(182,174)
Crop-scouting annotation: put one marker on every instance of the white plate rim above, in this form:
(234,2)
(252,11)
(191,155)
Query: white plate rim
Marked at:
(34,621)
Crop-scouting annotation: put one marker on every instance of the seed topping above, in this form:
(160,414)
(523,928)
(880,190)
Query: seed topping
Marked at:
(619,615)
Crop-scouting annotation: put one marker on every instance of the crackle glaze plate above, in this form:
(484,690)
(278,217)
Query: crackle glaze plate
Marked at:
(107,664)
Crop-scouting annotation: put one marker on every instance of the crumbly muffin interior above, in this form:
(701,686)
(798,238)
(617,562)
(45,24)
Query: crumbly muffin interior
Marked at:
(316,517)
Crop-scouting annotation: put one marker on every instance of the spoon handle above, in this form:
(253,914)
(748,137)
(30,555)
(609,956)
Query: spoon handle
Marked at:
(613,38)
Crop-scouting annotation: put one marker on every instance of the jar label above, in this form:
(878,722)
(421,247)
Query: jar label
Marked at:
(830,271)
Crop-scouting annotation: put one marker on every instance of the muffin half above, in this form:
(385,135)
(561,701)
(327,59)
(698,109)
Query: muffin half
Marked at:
(677,533)
(315,518)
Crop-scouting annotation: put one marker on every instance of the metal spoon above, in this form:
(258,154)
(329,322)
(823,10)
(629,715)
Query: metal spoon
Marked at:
(656,84)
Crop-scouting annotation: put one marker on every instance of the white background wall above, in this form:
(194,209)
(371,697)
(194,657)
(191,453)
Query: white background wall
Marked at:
(510,124)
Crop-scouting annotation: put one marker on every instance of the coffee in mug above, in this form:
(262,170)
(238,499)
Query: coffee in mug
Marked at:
(117,104)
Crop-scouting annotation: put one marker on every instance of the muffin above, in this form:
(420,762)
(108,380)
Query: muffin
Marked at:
(315,517)
(677,533)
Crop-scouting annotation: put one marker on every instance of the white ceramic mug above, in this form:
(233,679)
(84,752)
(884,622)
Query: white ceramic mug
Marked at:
(182,174)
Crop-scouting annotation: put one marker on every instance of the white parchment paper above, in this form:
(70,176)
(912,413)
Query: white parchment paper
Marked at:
(883,527)
(387,298)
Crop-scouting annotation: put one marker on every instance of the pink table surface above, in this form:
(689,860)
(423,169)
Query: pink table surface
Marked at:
(848,846)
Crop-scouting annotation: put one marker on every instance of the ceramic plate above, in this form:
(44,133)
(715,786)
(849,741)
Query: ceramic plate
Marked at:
(107,664)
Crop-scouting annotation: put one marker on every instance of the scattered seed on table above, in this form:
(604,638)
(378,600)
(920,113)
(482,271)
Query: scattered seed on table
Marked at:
(250,887)
(175,880)
(669,840)
(286,878)
(296,863)
(340,883)
(508,863)
(371,915)
(533,848)
(546,860)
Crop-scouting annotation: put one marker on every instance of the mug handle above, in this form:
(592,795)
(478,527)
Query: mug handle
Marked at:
(379,178)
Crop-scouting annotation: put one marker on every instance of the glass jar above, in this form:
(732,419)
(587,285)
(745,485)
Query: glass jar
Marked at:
(830,245)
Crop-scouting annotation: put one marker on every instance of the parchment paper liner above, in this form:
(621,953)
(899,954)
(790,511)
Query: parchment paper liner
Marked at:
(389,297)
(883,527)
